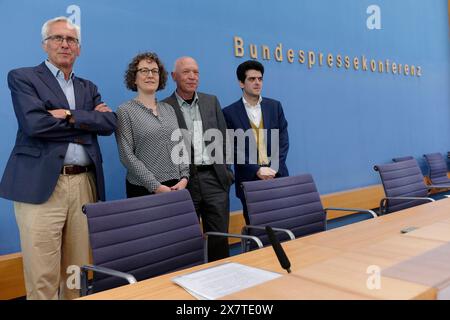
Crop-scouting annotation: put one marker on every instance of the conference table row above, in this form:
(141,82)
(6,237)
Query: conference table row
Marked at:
(403,255)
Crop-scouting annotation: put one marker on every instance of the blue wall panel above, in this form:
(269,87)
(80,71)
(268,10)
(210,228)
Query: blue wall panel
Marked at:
(341,122)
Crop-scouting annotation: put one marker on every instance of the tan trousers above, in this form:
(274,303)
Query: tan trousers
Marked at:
(54,236)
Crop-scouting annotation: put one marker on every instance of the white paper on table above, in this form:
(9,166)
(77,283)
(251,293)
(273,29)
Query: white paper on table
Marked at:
(221,280)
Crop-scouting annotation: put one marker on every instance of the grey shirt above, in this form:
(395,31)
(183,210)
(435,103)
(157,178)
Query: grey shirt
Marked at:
(145,146)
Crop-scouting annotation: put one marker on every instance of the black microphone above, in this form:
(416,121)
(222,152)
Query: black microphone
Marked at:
(279,251)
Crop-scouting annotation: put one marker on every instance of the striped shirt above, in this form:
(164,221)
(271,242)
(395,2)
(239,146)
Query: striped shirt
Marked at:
(145,146)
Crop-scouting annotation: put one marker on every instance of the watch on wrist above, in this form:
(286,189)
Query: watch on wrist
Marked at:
(68,114)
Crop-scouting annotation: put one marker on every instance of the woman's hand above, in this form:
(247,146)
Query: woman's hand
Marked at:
(162,188)
(180,185)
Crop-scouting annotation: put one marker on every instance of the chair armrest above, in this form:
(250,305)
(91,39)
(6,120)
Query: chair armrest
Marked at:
(352,209)
(383,201)
(289,232)
(110,272)
(243,237)
(410,198)
(438,186)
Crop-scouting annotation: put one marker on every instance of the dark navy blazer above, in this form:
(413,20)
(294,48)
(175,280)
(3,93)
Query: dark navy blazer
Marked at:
(273,117)
(41,143)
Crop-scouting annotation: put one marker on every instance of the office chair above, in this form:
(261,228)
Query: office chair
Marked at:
(403,185)
(437,169)
(139,238)
(290,205)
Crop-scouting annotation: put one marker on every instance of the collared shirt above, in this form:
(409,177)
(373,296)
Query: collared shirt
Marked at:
(193,119)
(254,113)
(145,144)
(75,155)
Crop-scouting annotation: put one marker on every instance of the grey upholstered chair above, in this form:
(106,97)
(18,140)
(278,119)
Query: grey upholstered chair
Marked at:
(290,205)
(139,238)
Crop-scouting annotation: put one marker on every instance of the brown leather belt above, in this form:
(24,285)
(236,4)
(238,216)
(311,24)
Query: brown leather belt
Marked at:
(74,169)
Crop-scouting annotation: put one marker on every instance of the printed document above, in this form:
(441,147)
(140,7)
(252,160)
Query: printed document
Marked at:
(222,280)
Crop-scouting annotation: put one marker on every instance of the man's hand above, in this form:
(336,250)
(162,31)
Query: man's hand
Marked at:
(58,113)
(266,173)
(162,188)
(61,113)
(180,185)
(102,107)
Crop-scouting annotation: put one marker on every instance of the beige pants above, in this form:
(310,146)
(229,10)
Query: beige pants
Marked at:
(54,236)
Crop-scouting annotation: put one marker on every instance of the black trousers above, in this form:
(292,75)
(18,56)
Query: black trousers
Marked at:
(212,204)
(138,191)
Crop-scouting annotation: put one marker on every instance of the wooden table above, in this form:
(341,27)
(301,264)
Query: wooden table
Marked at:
(332,264)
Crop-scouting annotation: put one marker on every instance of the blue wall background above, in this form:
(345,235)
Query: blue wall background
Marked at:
(341,122)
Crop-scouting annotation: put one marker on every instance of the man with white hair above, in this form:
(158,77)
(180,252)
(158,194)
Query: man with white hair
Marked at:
(210,177)
(55,166)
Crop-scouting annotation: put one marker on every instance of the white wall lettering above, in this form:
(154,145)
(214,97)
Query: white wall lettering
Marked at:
(75,14)
(374,20)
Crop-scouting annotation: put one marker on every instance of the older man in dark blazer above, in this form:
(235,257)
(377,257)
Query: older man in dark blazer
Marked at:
(55,166)
(210,178)
(265,157)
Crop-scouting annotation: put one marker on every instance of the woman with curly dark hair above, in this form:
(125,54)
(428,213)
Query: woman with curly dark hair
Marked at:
(144,131)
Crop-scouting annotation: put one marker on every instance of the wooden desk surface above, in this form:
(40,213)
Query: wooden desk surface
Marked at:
(439,231)
(292,287)
(162,287)
(350,272)
(326,265)
(345,275)
(371,231)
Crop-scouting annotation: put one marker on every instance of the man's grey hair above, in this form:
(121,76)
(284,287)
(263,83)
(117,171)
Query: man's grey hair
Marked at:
(70,24)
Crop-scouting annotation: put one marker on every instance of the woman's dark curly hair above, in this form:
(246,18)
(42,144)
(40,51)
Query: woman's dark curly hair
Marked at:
(130,74)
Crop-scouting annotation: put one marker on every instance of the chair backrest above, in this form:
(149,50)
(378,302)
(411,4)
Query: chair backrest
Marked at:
(438,168)
(402,179)
(289,202)
(145,236)
(398,159)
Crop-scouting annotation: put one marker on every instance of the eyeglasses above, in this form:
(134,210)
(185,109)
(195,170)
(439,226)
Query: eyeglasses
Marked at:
(71,41)
(146,72)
